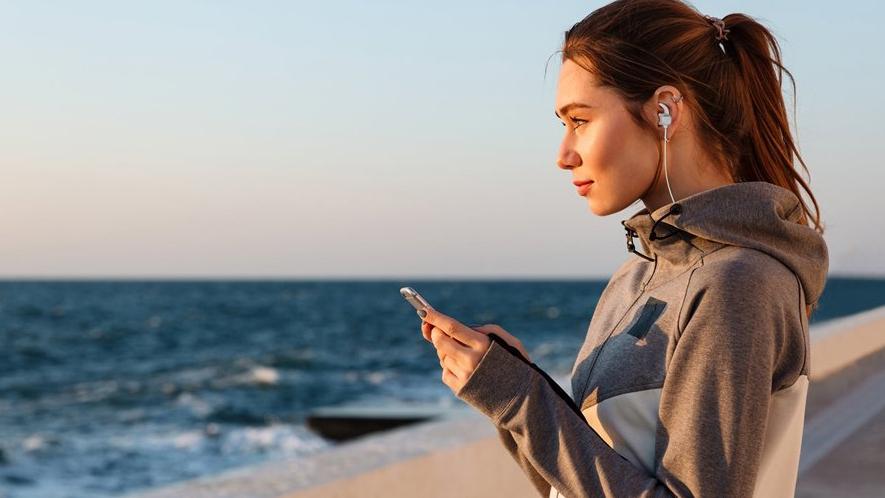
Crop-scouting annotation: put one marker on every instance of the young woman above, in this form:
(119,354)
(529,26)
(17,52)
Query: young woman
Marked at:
(693,375)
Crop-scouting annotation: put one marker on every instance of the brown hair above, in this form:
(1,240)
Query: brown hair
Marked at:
(636,46)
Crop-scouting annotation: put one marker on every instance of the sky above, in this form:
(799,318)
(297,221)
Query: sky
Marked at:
(352,139)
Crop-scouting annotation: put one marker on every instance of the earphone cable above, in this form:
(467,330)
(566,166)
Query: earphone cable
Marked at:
(666,176)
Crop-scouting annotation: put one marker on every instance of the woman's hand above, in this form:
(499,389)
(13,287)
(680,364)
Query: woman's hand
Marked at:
(454,373)
(486,329)
(458,347)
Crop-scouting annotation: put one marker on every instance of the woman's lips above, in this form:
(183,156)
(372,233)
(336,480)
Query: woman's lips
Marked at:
(583,189)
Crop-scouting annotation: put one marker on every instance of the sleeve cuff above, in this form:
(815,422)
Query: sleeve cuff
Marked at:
(499,382)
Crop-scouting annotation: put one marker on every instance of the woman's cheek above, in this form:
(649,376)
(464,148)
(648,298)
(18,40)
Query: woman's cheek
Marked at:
(593,152)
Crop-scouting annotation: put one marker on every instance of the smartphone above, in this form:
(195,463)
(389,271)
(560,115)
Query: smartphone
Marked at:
(419,303)
(415,299)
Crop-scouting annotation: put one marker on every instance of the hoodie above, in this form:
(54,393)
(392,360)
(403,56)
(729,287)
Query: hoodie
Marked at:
(693,375)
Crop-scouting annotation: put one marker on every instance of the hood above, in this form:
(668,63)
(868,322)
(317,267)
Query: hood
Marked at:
(757,215)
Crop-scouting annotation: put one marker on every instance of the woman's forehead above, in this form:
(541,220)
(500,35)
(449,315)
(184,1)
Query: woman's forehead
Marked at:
(576,84)
(573,77)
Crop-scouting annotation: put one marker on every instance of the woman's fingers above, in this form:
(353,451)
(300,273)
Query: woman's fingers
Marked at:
(448,347)
(457,359)
(447,364)
(425,331)
(454,329)
(449,378)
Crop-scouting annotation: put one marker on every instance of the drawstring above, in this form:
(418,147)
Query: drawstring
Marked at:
(676,208)
(630,247)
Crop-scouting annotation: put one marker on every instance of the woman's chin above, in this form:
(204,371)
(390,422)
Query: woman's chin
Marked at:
(598,208)
(595,207)
(593,203)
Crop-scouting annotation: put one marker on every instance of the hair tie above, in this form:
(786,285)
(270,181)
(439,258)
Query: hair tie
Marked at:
(720,25)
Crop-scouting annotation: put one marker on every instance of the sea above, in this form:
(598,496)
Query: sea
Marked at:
(111,387)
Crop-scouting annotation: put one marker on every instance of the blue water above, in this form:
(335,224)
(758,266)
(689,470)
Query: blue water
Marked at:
(112,386)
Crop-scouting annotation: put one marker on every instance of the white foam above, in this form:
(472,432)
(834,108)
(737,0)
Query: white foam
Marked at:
(264,375)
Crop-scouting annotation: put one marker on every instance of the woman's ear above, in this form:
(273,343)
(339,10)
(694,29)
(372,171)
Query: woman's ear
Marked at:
(672,98)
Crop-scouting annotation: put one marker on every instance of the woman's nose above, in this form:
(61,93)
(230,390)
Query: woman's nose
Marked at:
(567,158)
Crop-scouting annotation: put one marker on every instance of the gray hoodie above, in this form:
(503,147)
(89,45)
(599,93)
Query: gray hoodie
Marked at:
(693,375)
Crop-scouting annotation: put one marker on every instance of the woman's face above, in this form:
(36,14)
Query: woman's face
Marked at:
(602,143)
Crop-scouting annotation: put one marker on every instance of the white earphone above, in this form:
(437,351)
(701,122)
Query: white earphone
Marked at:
(664,119)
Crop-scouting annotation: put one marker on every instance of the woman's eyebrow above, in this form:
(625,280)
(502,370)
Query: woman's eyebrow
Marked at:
(564,109)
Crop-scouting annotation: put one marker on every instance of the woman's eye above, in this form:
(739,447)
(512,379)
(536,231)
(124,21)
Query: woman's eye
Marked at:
(578,122)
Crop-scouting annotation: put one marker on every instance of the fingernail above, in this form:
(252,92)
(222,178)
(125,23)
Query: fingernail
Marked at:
(421,313)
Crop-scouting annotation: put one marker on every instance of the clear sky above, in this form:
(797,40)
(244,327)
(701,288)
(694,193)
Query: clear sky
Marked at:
(360,139)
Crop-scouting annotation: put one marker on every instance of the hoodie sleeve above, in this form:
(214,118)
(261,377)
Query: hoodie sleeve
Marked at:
(510,444)
(714,402)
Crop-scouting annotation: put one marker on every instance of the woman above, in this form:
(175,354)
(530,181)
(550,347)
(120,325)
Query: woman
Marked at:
(694,371)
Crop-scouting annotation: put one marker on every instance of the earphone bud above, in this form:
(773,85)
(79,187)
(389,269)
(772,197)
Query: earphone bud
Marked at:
(664,119)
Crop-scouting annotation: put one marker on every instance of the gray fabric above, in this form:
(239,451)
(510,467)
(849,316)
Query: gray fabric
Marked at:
(709,342)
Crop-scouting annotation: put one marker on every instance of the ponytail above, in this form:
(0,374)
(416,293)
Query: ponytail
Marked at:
(766,146)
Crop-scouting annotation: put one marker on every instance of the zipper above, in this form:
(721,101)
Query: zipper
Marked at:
(642,287)
(653,270)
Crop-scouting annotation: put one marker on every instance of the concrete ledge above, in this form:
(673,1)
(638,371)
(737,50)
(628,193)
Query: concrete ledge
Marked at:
(434,458)
(461,455)
(477,468)
(841,341)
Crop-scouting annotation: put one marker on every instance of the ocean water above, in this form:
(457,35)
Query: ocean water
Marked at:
(109,387)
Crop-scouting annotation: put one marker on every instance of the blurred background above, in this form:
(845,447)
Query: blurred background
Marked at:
(209,208)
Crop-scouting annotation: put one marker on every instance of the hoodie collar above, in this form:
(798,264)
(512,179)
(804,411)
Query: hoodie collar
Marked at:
(757,215)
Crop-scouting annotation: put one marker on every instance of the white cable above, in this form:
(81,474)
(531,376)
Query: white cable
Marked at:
(665,165)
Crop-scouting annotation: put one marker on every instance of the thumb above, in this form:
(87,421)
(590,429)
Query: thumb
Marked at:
(503,334)
(489,328)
